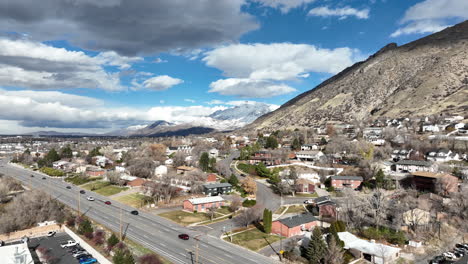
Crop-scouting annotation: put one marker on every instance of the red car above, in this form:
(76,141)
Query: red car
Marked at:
(108,202)
(184,236)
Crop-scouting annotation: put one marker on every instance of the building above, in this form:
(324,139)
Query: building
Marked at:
(202,204)
(17,253)
(442,155)
(95,172)
(294,225)
(160,171)
(325,206)
(138,182)
(213,189)
(428,181)
(341,182)
(213,153)
(185,169)
(304,186)
(400,154)
(309,147)
(369,250)
(309,155)
(211,178)
(413,166)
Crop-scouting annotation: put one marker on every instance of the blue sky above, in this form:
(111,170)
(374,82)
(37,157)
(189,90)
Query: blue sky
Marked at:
(99,66)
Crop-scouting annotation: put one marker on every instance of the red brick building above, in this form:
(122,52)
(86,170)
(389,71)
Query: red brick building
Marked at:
(304,186)
(136,183)
(211,178)
(427,181)
(294,225)
(325,206)
(340,182)
(203,203)
(95,172)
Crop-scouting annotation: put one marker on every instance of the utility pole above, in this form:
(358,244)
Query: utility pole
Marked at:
(79,203)
(197,253)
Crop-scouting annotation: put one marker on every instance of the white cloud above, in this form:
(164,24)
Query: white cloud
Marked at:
(189,100)
(159,60)
(162,82)
(430,16)
(246,88)
(34,65)
(55,97)
(342,13)
(284,5)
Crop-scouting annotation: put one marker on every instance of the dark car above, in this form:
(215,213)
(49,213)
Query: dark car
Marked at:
(134,212)
(68,187)
(184,236)
(43,178)
(82,192)
(108,202)
(32,175)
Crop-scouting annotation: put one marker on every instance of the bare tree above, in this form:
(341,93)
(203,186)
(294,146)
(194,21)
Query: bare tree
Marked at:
(179,159)
(142,167)
(235,203)
(334,254)
(246,217)
(114,178)
(376,205)
(211,212)
(249,185)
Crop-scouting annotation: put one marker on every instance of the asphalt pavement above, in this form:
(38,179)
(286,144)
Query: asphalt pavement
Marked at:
(153,232)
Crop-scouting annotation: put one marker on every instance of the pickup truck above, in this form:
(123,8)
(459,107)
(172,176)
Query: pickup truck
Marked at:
(70,243)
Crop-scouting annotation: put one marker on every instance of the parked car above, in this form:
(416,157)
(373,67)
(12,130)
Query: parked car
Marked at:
(82,192)
(437,260)
(43,178)
(69,243)
(90,198)
(87,261)
(32,176)
(83,255)
(108,202)
(308,201)
(134,212)
(449,255)
(68,187)
(80,253)
(51,233)
(184,236)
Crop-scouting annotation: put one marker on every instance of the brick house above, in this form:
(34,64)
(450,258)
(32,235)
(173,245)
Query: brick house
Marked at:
(211,178)
(325,206)
(136,183)
(340,182)
(203,203)
(294,225)
(94,172)
(427,181)
(304,186)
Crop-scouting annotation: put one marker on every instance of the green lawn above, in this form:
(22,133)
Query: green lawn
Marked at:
(224,210)
(135,199)
(253,239)
(185,218)
(103,188)
(295,209)
(79,180)
(310,195)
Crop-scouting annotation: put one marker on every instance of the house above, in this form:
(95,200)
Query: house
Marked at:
(16,253)
(400,154)
(213,189)
(428,181)
(94,172)
(430,128)
(413,166)
(442,155)
(203,203)
(341,182)
(213,153)
(160,171)
(304,186)
(138,182)
(187,149)
(264,157)
(325,206)
(309,147)
(309,155)
(185,169)
(372,132)
(369,250)
(294,225)
(60,165)
(102,161)
(210,178)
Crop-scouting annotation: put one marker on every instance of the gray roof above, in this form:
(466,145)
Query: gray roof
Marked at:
(298,220)
(322,199)
(217,185)
(414,162)
(353,178)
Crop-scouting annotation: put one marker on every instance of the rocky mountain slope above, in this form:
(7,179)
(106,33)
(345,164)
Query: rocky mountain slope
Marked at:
(424,77)
(245,113)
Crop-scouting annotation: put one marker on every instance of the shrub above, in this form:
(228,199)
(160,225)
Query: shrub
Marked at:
(112,241)
(149,259)
(249,203)
(85,228)
(52,172)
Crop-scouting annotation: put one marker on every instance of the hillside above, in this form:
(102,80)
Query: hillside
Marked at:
(424,77)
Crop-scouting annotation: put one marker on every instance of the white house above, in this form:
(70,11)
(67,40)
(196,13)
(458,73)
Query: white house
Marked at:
(17,253)
(309,147)
(102,161)
(309,155)
(160,171)
(430,128)
(369,250)
(169,162)
(413,166)
(442,155)
(213,153)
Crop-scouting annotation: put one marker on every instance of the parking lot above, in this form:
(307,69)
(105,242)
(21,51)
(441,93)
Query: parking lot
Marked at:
(458,255)
(52,244)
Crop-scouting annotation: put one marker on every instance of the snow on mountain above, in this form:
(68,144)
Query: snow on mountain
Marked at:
(245,113)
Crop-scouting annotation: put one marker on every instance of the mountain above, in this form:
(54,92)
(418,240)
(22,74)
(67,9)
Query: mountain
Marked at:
(244,113)
(58,134)
(424,77)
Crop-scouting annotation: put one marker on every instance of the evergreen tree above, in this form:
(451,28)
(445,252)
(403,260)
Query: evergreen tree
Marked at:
(380,178)
(52,156)
(112,241)
(85,227)
(271,142)
(212,164)
(66,152)
(334,253)
(262,170)
(204,161)
(123,256)
(267,220)
(233,180)
(296,144)
(323,141)
(315,251)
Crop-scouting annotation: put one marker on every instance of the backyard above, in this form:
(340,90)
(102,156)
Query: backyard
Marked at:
(135,199)
(253,239)
(103,188)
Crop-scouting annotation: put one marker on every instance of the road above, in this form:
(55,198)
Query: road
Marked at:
(153,232)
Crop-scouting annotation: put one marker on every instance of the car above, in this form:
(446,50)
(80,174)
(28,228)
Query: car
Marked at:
(51,233)
(2,243)
(90,198)
(69,243)
(82,192)
(75,255)
(184,236)
(43,178)
(68,187)
(308,201)
(437,260)
(134,212)
(457,255)
(87,261)
(32,176)
(243,175)
(108,202)
(449,255)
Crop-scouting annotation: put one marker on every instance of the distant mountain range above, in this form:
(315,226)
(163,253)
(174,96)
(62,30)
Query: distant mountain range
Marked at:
(425,77)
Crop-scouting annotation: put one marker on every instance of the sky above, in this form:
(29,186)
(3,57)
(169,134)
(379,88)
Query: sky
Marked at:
(98,66)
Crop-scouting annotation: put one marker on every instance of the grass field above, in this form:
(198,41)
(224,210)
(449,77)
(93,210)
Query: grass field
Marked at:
(185,218)
(253,239)
(103,188)
(135,199)
(295,209)
(308,195)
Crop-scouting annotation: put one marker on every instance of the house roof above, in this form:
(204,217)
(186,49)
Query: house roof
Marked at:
(186,168)
(414,163)
(298,220)
(322,199)
(308,152)
(136,182)
(376,249)
(208,199)
(304,181)
(352,178)
(428,174)
(217,185)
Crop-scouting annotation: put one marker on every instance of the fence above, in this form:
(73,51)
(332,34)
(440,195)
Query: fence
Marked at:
(98,256)
(31,232)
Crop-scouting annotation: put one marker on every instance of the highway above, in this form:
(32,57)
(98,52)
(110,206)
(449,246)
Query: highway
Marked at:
(151,231)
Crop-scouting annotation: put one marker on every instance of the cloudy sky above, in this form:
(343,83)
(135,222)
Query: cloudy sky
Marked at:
(95,66)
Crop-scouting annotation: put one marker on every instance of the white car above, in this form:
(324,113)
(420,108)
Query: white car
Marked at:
(90,198)
(308,201)
(51,233)
(449,255)
(70,243)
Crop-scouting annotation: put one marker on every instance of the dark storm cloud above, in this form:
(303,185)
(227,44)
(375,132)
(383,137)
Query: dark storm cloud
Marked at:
(127,26)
